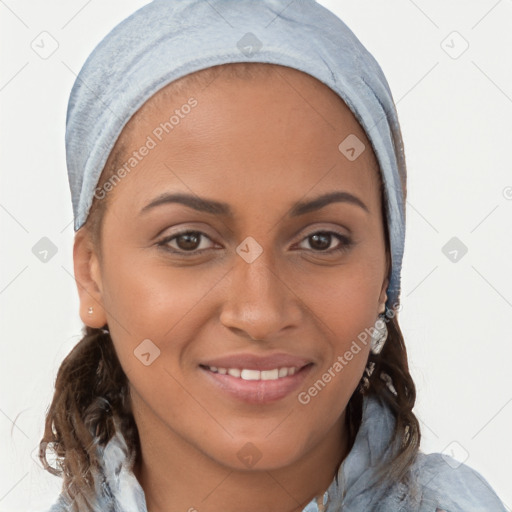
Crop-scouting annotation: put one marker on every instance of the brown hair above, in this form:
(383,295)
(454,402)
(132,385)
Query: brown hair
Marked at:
(92,399)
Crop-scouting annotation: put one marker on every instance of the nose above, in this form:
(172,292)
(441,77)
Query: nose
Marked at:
(259,302)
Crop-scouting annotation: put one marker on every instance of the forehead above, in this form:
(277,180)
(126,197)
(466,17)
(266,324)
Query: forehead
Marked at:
(229,97)
(277,125)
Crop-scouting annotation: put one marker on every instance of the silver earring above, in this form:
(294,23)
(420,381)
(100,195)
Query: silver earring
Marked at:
(389,382)
(90,310)
(379,335)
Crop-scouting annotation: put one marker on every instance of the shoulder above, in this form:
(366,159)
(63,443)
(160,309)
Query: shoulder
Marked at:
(453,486)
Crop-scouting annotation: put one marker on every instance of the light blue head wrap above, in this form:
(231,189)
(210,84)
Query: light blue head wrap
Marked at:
(168,39)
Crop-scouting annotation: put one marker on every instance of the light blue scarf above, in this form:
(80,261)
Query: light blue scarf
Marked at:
(168,39)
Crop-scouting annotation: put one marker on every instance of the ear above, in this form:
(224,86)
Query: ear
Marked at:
(88,280)
(383,296)
(383,292)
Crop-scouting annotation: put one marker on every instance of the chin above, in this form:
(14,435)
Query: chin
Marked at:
(257,454)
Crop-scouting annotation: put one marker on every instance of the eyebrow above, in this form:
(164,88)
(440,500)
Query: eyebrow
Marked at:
(218,208)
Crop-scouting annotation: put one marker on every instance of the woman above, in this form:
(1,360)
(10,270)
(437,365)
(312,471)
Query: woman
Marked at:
(238,184)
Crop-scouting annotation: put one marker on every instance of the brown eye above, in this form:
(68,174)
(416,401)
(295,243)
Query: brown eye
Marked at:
(186,241)
(322,240)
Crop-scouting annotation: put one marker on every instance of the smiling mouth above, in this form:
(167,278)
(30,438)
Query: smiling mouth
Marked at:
(256,380)
(250,374)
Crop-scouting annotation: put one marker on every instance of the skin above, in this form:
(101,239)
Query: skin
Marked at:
(261,146)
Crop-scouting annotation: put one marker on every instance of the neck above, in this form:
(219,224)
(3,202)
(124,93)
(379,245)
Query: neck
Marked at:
(177,477)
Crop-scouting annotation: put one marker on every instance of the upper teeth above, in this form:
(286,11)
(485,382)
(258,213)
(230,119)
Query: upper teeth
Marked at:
(246,374)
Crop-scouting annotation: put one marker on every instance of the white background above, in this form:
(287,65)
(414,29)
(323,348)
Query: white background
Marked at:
(455,117)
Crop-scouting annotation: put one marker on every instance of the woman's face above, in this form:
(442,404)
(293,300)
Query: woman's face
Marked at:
(272,275)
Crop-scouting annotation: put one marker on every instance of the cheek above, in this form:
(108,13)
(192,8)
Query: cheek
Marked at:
(154,313)
(149,299)
(343,300)
(344,307)
(149,307)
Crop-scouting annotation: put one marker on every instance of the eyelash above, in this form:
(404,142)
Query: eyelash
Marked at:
(345,245)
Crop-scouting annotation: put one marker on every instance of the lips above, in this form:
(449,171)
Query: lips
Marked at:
(256,379)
